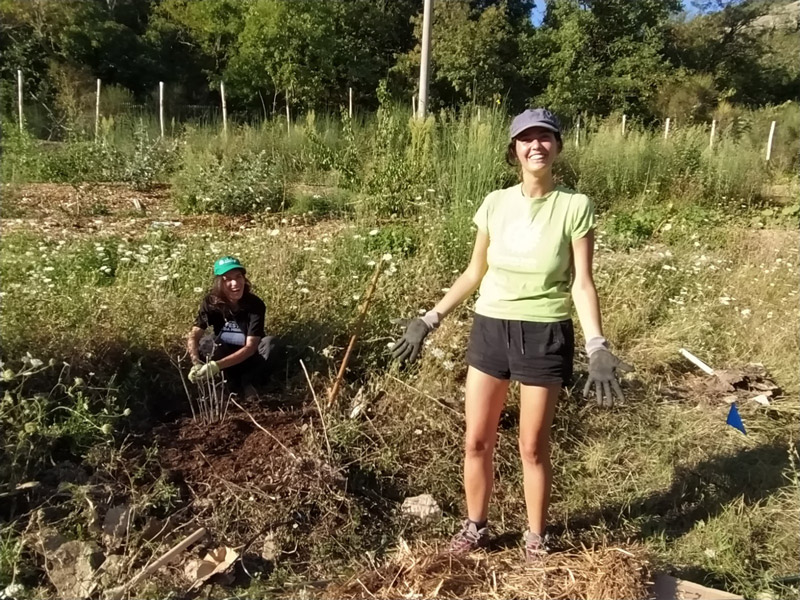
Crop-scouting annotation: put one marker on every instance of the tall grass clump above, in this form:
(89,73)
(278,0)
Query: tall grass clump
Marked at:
(22,158)
(390,184)
(645,167)
(470,159)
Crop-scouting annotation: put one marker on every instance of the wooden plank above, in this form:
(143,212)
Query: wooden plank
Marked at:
(671,588)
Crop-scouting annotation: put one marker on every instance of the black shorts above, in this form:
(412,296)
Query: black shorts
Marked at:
(525,351)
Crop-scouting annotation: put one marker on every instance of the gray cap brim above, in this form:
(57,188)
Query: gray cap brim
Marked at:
(526,126)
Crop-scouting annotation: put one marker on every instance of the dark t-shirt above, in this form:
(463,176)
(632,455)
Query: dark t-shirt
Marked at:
(233,327)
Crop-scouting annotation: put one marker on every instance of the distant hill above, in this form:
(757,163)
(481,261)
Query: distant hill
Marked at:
(785,17)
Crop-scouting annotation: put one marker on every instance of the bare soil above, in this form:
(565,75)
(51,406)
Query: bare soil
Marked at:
(68,211)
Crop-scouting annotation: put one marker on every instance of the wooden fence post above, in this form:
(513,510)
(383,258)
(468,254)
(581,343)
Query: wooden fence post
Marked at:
(769,141)
(224,109)
(161,106)
(288,115)
(97,112)
(19,97)
(713,131)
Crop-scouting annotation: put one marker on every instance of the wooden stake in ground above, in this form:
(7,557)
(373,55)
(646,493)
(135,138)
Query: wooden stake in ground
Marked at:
(97,112)
(666,129)
(769,141)
(351,103)
(578,132)
(19,97)
(224,109)
(699,363)
(161,106)
(414,105)
(356,330)
(624,119)
(119,592)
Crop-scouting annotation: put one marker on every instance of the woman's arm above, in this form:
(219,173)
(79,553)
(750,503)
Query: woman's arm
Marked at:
(584,293)
(193,343)
(469,280)
(408,347)
(242,354)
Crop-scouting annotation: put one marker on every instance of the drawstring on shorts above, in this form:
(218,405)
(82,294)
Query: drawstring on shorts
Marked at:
(521,335)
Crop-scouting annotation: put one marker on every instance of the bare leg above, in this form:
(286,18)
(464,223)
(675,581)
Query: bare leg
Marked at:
(537,407)
(484,402)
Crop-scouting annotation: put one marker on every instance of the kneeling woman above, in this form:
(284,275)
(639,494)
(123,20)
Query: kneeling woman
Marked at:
(241,349)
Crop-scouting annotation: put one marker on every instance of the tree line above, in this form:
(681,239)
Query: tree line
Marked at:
(647,58)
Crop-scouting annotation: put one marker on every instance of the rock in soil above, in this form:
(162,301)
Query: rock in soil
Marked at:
(115,524)
(112,571)
(73,568)
(422,507)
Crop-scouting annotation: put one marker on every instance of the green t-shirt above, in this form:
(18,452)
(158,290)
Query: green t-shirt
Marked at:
(530,253)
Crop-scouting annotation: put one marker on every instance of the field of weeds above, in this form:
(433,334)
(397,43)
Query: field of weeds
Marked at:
(103,468)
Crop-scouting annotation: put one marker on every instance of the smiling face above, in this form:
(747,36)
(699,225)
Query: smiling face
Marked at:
(536,149)
(233,284)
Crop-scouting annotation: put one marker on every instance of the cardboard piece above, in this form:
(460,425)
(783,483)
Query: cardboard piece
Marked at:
(671,588)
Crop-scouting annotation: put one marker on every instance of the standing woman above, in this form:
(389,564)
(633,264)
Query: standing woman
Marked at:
(532,260)
(241,349)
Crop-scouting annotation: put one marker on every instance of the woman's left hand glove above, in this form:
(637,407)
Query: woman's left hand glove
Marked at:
(603,366)
(210,369)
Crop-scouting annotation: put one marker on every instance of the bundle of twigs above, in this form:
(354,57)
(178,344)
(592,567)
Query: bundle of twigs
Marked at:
(422,572)
(212,401)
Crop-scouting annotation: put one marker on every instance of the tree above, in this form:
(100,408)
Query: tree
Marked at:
(210,28)
(749,62)
(474,55)
(601,55)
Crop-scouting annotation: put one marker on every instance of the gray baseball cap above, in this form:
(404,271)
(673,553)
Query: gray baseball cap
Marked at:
(534,117)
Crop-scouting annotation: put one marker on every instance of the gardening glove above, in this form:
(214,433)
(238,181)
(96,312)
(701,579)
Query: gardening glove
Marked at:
(408,347)
(602,372)
(210,369)
(193,371)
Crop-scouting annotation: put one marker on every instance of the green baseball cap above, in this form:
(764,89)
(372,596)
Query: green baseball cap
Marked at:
(227,263)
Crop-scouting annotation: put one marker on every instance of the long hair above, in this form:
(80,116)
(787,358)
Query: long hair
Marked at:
(217,297)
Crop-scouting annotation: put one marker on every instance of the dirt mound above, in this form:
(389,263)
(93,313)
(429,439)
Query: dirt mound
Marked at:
(243,479)
(235,450)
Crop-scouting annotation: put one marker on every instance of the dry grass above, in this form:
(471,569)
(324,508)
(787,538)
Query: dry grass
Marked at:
(422,571)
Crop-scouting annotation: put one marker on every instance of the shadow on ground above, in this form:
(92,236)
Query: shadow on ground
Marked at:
(697,493)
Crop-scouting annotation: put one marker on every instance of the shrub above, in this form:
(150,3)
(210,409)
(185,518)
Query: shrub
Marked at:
(149,162)
(232,184)
(82,161)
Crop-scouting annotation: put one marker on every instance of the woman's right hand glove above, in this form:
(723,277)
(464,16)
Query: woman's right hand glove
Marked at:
(408,347)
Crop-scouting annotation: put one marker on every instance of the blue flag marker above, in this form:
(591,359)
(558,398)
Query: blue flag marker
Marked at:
(734,420)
